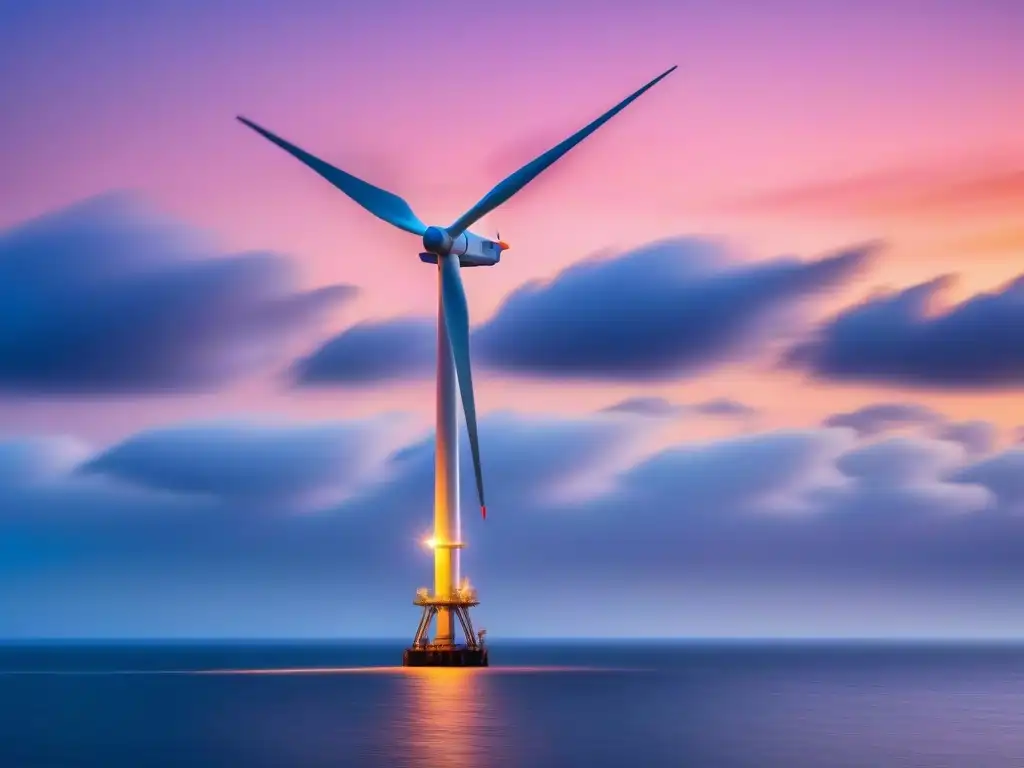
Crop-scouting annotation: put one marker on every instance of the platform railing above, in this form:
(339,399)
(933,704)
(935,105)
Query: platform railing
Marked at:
(461,594)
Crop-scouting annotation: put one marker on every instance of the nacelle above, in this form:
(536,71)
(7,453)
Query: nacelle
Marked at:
(472,250)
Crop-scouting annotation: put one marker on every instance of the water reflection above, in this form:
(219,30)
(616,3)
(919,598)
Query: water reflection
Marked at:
(451,720)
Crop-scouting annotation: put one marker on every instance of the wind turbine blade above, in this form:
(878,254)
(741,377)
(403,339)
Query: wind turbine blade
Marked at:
(381,203)
(507,188)
(456,319)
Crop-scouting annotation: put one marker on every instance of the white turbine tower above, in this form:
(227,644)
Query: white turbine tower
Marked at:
(451,248)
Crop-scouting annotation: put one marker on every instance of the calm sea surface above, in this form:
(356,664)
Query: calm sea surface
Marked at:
(592,705)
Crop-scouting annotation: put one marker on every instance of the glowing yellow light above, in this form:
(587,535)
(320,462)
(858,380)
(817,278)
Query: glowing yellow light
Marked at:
(430,543)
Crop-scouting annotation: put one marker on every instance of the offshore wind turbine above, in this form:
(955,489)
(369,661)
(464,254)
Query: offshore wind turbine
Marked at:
(451,248)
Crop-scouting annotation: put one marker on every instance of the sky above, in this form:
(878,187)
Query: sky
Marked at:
(753,365)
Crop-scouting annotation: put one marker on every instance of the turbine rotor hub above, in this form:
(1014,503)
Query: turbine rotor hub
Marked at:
(437,241)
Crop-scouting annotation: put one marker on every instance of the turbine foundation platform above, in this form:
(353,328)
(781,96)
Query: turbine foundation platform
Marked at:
(443,651)
(459,656)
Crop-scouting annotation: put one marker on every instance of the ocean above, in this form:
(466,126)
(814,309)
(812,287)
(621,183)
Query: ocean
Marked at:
(594,705)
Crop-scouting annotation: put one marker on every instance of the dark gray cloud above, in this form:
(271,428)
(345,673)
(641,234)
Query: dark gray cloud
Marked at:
(252,463)
(108,297)
(646,406)
(744,474)
(528,460)
(880,417)
(662,311)
(977,437)
(373,352)
(901,460)
(1003,474)
(894,338)
(577,505)
(659,312)
(721,407)
(724,407)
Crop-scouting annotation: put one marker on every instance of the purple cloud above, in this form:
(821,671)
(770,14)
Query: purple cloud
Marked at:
(880,417)
(894,339)
(107,297)
(585,503)
(663,311)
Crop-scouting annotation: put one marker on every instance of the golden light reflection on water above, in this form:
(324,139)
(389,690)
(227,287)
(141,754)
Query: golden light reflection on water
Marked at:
(433,717)
(364,671)
(451,719)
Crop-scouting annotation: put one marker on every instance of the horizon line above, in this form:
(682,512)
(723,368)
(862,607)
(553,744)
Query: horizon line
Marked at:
(674,639)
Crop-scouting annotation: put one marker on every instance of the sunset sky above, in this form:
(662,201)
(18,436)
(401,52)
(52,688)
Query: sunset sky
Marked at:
(753,365)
